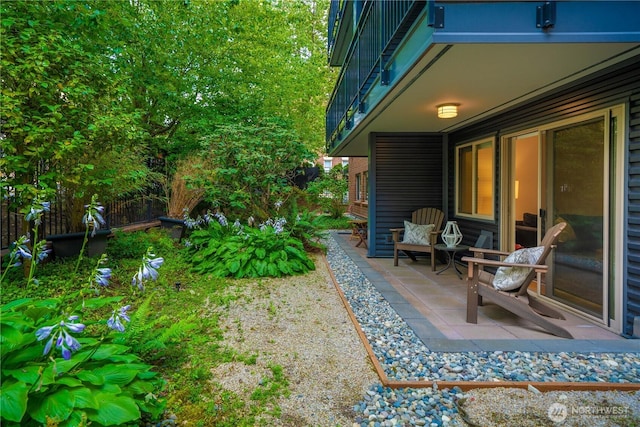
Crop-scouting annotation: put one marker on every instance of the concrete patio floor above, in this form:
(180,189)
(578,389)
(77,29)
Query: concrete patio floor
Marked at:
(434,306)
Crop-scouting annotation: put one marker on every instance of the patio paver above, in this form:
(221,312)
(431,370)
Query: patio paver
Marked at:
(434,306)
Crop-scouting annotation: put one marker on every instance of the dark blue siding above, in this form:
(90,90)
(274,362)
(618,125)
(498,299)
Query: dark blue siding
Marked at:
(407,170)
(632,296)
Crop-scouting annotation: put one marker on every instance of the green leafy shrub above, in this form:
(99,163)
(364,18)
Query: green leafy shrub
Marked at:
(101,382)
(306,228)
(330,189)
(132,245)
(250,162)
(224,250)
(325,222)
(127,245)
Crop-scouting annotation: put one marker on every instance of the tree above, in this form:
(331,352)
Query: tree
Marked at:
(91,89)
(252,164)
(63,126)
(330,189)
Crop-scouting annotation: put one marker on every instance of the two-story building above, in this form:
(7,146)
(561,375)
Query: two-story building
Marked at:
(508,116)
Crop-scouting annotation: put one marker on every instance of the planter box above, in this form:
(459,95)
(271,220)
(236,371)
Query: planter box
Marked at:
(70,244)
(175,226)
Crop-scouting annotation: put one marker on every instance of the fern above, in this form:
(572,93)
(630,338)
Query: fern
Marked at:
(147,333)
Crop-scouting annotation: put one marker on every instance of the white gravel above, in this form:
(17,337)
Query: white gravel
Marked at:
(299,323)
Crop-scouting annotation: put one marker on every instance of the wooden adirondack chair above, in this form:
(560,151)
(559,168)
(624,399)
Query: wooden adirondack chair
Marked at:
(422,216)
(518,301)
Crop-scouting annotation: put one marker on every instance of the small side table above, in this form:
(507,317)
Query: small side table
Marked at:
(451,256)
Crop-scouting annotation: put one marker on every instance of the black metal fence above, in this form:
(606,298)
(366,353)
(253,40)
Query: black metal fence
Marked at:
(129,210)
(135,208)
(379,28)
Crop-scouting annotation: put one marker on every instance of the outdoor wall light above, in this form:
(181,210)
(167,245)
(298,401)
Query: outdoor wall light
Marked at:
(447,111)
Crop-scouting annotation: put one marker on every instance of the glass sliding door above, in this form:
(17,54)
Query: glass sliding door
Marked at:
(570,171)
(575,187)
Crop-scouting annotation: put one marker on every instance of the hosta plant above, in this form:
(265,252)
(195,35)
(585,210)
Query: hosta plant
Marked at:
(55,370)
(239,251)
(50,376)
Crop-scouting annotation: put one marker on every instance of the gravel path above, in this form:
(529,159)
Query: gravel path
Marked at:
(299,323)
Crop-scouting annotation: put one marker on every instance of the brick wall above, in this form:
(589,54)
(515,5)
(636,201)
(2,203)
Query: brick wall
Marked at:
(357,167)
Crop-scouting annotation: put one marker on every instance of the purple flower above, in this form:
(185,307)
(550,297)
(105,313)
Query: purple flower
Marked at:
(93,215)
(148,269)
(115,321)
(36,209)
(102,276)
(64,341)
(277,225)
(221,219)
(44,332)
(20,251)
(208,217)
(23,252)
(43,254)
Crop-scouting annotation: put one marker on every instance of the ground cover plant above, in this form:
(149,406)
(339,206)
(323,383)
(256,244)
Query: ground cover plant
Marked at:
(148,362)
(57,370)
(142,333)
(235,250)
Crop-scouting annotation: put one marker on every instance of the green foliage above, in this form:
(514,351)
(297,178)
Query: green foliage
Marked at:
(127,245)
(182,351)
(330,189)
(102,382)
(132,245)
(70,132)
(106,100)
(250,166)
(97,381)
(238,251)
(325,222)
(248,59)
(150,332)
(306,227)
(272,388)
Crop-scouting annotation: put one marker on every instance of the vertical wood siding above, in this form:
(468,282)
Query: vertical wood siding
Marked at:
(408,176)
(632,246)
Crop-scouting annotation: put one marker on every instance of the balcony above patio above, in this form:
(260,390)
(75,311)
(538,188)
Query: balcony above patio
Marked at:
(401,59)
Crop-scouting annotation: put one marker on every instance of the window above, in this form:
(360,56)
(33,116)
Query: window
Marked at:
(328,163)
(358,190)
(475,183)
(365,186)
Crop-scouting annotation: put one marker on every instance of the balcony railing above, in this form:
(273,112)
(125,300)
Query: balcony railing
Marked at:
(379,29)
(335,16)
